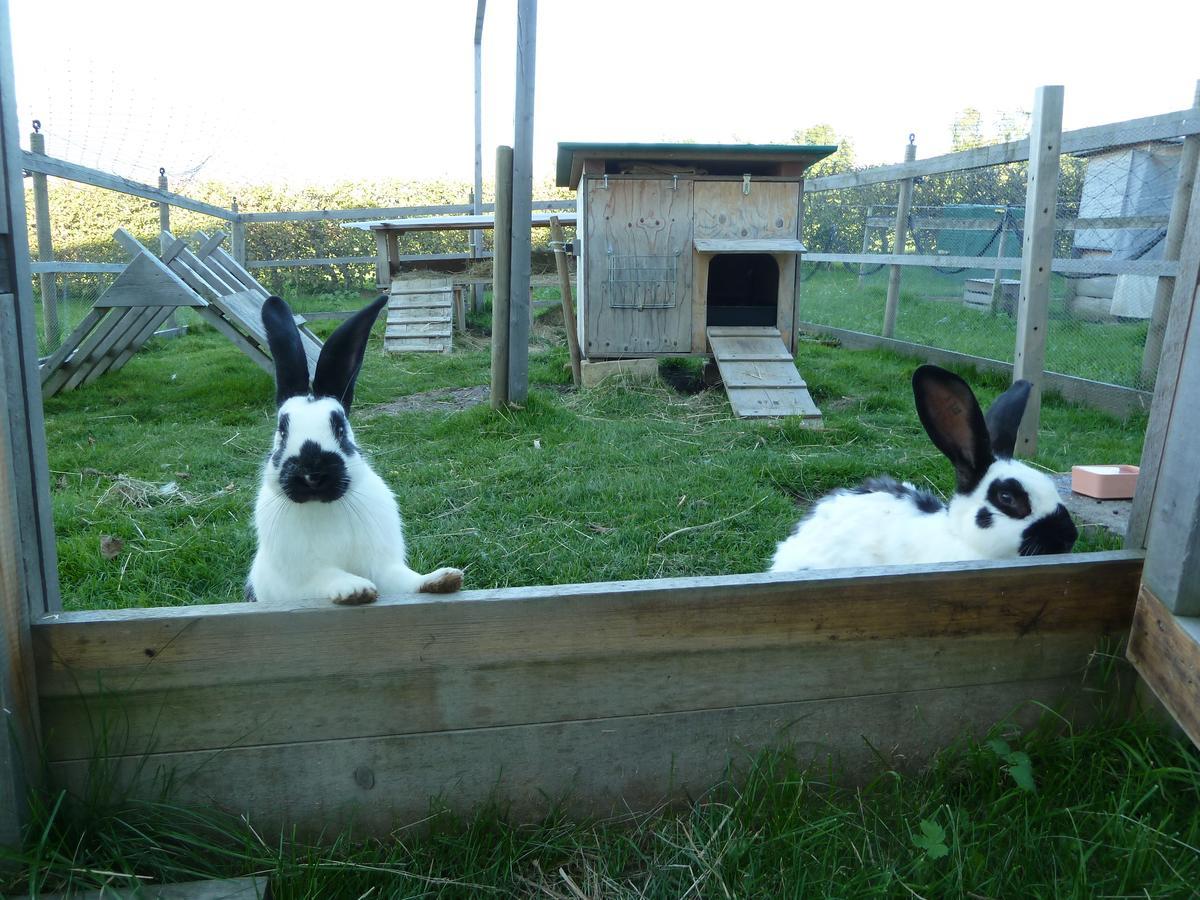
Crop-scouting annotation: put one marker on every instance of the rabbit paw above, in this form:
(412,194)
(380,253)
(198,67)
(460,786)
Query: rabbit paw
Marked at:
(443,581)
(350,590)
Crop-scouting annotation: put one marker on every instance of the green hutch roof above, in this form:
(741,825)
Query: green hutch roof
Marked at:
(571,155)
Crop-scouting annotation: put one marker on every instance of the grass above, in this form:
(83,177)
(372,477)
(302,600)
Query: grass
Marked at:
(1110,811)
(931,312)
(573,487)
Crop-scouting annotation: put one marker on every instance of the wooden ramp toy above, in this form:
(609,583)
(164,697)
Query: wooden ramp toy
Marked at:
(419,317)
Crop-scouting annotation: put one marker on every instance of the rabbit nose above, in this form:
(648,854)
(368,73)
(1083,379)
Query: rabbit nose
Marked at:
(314,479)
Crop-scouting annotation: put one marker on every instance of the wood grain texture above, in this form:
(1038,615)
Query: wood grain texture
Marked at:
(632,223)
(590,767)
(762,388)
(725,211)
(1165,649)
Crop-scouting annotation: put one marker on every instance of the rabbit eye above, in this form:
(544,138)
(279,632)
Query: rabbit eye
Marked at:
(1006,498)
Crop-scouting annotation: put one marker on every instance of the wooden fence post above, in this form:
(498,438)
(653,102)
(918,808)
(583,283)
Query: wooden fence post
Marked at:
(501,276)
(522,203)
(477,192)
(1189,159)
(568,304)
(903,203)
(237,235)
(48,281)
(866,243)
(164,213)
(1037,253)
(28,561)
(998,276)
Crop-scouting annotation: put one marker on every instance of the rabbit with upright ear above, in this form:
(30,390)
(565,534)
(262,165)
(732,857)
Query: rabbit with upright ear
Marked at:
(1001,508)
(328,527)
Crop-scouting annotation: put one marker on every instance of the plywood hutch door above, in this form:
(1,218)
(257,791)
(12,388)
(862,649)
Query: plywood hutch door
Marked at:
(639,267)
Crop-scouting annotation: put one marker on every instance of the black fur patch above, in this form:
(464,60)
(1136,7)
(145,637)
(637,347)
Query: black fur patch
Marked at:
(1055,533)
(983,518)
(337,421)
(248,593)
(277,456)
(884,484)
(314,474)
(1007,495)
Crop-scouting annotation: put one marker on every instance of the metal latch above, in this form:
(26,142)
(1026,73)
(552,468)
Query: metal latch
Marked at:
(746,184)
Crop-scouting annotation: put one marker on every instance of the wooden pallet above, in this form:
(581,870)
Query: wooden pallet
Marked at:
(760,374)
(420,316)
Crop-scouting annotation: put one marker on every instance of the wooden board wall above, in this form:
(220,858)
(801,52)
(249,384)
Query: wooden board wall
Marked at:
(608,695)
(637,218)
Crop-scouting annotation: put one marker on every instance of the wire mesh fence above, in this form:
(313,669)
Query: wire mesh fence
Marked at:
(1112,204)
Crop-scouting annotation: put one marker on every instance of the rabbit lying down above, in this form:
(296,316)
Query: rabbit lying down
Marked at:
(1001,508)
(328,526)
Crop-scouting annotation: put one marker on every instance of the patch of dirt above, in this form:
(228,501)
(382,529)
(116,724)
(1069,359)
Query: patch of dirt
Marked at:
(442,400)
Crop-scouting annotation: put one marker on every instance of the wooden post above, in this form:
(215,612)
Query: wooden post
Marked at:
(477,192)
(903,203)
(48,281)
(1041,188)
(237,235)
(383,278)
(866,243)
(1189,158)
(998,275)
(28,561)
(1181,324)
(501,276)
(522,203)
(164,229)
(568,304)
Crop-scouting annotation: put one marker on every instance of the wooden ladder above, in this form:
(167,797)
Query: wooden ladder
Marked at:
(419,316)
(760,374)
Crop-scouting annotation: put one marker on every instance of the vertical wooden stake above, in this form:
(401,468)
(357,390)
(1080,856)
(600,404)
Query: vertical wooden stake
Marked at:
(522,203)
(477,193)
(237,235)
(48,281)
(866,244)
(568,304)
(164,229)
(1189,158)
(998,275)
(501,276)
(903,204)
(1037,253)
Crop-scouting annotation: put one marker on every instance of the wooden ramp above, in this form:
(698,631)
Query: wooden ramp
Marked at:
(419,316)
(760,375)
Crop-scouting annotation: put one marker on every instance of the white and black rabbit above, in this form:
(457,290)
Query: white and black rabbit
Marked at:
(328,527)
(1001,508)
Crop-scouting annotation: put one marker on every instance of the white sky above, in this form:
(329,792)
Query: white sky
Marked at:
(262,90)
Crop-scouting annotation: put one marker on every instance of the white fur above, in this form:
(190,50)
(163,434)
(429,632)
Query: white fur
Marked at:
(879,529)
(329,551)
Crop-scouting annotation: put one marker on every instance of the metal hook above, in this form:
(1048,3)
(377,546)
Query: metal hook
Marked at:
(674,182)
(912,137)
(606,180)
(745,184)
(37,126)
(162,171)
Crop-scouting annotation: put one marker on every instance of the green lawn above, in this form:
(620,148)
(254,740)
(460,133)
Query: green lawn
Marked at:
(571,488)
(931,312)
(581,487)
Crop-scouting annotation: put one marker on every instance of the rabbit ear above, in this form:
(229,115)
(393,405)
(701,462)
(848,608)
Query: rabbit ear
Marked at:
(954,422)
(342,355)
(287,350)
(1004,417)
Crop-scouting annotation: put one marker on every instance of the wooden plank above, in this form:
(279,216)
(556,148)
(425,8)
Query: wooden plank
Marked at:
(891,306)
(60,168)
(252,887)
(121,322)
(725,211)
(142,320)
(418,329)
(455,223)
(1037,252)
(940,223)
(1180,325)
(345,215)
(1098,266)
(743,331)
(746,245)
(771,403)
(501,278)
(70,343)
(1099,137)
(1165,650)
(415,258)
(1111,398)
(151,330)
(416,345)
(143,283)
(640,286)
(45,245)
(590,768)
(760,374)
(83,357)
(523,216)
(66,267)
